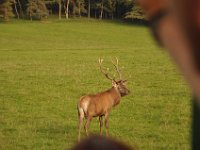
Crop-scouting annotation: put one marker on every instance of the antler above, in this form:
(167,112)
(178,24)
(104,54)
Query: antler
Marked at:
(103,71)
(117,67)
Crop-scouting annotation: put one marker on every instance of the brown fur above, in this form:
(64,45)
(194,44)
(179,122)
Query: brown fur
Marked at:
(100,105)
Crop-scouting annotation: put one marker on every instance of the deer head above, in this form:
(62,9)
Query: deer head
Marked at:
(120,84)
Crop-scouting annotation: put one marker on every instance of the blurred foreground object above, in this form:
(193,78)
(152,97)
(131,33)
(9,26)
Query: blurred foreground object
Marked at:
(100,143)
(176,26)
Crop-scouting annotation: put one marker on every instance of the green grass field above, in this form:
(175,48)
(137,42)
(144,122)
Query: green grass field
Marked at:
(46,66)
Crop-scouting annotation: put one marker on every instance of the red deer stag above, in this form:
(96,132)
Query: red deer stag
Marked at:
(100,105)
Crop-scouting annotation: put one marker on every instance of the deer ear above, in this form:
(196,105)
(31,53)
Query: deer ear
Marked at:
(125,81)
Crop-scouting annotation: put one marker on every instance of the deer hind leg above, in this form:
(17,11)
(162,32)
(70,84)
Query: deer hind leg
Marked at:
(106,123)
(101,124)
(87,124)
(80,117)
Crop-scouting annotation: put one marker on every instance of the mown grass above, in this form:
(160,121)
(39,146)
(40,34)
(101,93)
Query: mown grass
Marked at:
(45,68)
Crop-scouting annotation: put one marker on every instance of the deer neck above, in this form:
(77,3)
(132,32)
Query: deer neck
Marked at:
(116,96)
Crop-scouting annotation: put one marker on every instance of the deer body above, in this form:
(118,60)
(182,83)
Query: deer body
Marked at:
(100,105)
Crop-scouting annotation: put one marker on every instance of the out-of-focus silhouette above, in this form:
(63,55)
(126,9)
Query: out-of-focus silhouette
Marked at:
(101,143)
(176,26)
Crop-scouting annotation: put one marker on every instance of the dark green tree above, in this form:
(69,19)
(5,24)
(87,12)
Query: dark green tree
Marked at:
(110,7)
(16,9)
(122,7)
(89,7)
(81,7)
(66,7)
(21,13)
(135,13)
(99,8)
(59,8)
(37,9)
(6,10)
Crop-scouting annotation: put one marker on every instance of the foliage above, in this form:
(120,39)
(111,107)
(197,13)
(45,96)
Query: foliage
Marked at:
(82,6)
(47,67)
(110,7)
(6,9)
(135,13)
(123,6)
(37,9)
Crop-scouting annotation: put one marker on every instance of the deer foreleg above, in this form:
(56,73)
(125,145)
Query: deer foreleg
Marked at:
(106,122)
(101,124)
(87,124)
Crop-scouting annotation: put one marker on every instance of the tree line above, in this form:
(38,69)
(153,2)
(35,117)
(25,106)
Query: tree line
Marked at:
(42,9)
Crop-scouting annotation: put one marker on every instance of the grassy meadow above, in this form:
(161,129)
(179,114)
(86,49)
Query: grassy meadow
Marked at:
(46,66)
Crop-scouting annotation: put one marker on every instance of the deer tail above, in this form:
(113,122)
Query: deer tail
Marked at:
(80,118)
(80,111)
